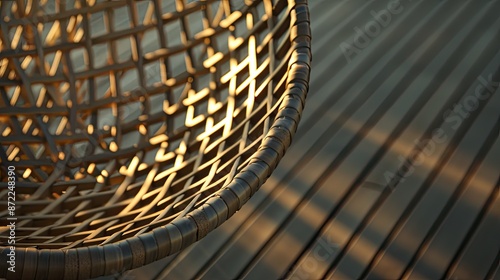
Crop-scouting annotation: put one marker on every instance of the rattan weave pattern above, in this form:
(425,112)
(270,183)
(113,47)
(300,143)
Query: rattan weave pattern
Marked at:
(137,127)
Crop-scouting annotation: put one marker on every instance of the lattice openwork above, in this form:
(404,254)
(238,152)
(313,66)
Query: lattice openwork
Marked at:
(126,117)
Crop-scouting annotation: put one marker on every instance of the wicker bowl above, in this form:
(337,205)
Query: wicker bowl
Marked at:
(131,129)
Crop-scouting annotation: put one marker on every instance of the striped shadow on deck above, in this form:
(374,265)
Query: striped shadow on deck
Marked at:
(394,171)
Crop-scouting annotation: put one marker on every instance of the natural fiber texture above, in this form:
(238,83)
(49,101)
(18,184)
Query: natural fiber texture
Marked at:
(135,128)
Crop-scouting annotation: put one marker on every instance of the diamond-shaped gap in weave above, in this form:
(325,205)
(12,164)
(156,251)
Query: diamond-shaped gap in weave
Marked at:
(122,116)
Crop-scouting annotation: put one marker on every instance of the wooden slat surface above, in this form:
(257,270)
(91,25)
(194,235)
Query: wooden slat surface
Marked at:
(328,210)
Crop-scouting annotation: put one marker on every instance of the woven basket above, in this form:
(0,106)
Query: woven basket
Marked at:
(133,129)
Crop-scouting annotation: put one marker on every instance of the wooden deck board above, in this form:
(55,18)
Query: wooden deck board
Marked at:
(451,233)
(327,211)
(479,261)
(409,236)
(425,176)
(390,160)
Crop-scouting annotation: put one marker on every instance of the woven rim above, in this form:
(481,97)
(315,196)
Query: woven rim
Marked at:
(98,260)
